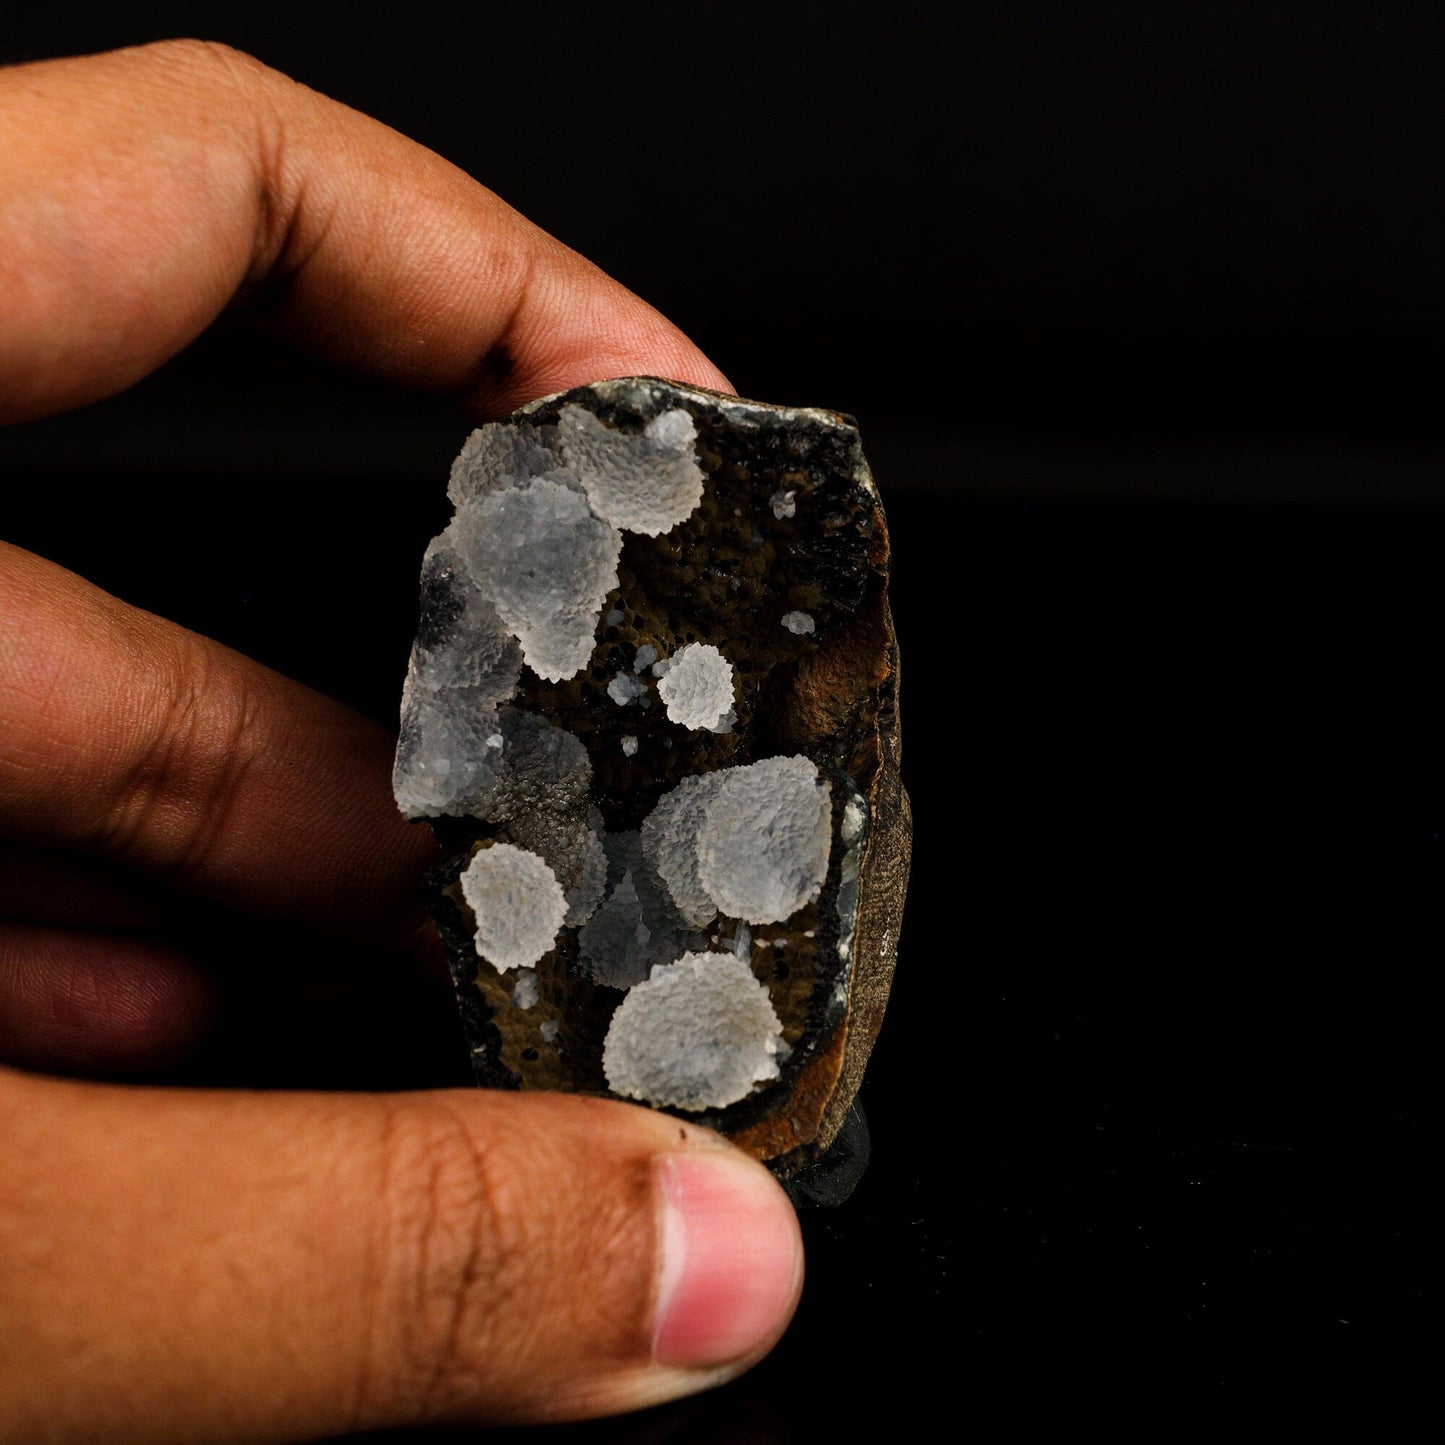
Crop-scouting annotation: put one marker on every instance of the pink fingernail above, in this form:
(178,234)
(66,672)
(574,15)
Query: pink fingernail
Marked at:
(732,1259)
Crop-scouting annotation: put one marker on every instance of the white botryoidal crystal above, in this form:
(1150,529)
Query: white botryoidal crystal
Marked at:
(783,504)
(518,905)
(571,850)
(496,456)
(458,755)
(698,688)
(629,745)
(547,562)
(475,650)
(443,764)
(539,791)
(539,769)
(669,839)
(646,656)
(766,833)
(591,875)
(640,482)
(799,622)
(462,666)
(698,1034)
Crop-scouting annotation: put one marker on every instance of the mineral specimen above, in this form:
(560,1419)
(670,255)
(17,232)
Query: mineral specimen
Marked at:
(651,714)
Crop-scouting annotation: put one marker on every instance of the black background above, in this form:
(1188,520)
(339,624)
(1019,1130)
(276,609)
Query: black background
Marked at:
(1140,309)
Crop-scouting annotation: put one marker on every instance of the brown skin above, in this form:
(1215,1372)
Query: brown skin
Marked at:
(216,1266)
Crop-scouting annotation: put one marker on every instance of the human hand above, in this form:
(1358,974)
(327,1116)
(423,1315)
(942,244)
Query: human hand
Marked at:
(233,1265)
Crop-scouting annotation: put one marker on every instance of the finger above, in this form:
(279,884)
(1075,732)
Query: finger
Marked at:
(147,189)
(95,1003)
(41,885)
(277,1267)
(231,1003)
(129,737)
(47,885)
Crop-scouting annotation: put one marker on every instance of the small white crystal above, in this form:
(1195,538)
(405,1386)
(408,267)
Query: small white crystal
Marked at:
(783,504)
(646,656)
(698,1034)
(525,991)
(766,834)
(518,905)
(549,1031)
(798,622)
(629,745)
(640,483)
(614,618)
(698,687)
(494,740)
(624,690)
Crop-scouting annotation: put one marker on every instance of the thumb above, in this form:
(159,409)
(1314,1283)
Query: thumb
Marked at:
(228,1266)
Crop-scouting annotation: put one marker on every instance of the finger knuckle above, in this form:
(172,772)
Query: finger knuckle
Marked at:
(456,1253)
(213,58)
(188,763)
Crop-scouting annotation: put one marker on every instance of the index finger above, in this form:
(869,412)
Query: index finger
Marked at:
(147,190)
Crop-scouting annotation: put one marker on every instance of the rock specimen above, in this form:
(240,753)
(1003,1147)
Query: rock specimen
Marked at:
(651,714)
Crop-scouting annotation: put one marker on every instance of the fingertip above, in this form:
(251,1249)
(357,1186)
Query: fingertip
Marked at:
(727,1274)
(731,1268)
(590,330)
(98,1004)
